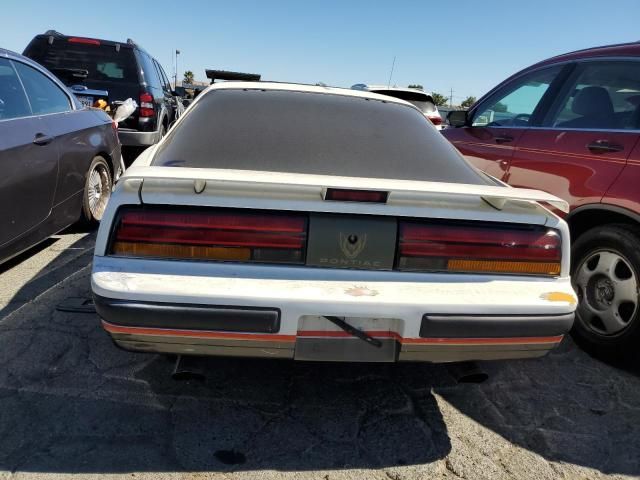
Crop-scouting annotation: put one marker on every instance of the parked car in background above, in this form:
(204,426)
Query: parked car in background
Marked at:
(58,159)
(419,98)
(347,229)
(570,126)
(94,68)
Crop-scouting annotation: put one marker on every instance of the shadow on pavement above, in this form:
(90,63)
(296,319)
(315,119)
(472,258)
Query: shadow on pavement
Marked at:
(71,402)
(70,260)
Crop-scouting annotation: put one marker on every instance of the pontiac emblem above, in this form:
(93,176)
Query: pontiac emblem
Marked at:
(352,245)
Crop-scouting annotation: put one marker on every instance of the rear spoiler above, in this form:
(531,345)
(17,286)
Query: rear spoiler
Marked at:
(214,75)
(399,190)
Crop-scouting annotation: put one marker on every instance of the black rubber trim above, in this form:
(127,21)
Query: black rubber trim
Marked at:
(130,313)
(494,326)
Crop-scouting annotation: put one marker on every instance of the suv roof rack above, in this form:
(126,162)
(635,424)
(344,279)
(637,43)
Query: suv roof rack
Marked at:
(214,75)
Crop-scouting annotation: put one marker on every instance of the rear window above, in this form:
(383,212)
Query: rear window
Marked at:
(312,133)
(100,63)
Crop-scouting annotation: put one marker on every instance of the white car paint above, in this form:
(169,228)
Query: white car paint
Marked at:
(371,300)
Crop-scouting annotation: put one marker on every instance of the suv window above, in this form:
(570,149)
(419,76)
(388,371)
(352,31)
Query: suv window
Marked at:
(150,73)
(70,61)
(163,76)
(44,95)
(600,95)
(13,100)
(514,104)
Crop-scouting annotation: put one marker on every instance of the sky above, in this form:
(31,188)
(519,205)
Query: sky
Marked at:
(466,46)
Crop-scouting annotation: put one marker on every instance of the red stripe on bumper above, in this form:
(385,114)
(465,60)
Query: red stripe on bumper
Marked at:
(111,328)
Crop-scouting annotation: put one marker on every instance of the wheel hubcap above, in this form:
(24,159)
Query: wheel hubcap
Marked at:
(607,288)
(99,191)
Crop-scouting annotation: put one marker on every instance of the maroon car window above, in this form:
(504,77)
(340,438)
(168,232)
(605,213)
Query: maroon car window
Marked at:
(44,95)
(312,133)
(514,105)
(600,95)
(13,101)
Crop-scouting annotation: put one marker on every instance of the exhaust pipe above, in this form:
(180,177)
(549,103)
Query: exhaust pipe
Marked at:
(188,368)
(467,372)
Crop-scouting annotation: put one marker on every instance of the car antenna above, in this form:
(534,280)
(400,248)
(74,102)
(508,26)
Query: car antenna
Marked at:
(393,64)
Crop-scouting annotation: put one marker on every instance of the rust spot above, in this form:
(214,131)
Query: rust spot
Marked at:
(559,297)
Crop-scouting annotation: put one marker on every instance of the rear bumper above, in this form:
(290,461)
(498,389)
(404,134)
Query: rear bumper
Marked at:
(228,310)
(135,138)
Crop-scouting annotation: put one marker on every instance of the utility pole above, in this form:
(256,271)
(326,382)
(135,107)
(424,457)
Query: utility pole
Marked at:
(175,78)
(451,98)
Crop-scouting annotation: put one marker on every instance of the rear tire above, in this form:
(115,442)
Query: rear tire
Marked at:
(97,190)
(605,273)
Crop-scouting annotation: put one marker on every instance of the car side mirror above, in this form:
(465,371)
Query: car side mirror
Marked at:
(458,118)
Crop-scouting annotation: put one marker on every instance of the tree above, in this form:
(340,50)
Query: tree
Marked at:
(439,100)
(188,77)
(467,102)
(417,86)
(500,107)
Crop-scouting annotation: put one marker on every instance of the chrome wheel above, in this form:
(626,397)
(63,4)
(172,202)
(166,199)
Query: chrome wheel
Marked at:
(607,287)
(98,190)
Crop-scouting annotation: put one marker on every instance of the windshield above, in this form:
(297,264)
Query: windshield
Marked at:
(75,62)
(421,100)
(314,133)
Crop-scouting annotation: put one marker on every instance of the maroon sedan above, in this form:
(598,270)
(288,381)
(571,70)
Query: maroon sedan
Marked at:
(570,125)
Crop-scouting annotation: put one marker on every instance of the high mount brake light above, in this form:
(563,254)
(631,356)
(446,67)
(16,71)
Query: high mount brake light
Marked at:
(216,235)
(479,249)
(345,195)
(84,41)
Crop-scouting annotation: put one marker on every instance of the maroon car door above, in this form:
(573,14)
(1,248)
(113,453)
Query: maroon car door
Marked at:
(497,122)
(586,137)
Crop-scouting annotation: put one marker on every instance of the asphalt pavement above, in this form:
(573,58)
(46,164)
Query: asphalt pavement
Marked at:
(72,404)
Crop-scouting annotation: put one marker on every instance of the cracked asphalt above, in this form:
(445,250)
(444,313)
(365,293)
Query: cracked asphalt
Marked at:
(71,403)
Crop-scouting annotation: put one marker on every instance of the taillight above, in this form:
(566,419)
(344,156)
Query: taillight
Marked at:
(435,119)
(146,105)
(216,235)
(478,249)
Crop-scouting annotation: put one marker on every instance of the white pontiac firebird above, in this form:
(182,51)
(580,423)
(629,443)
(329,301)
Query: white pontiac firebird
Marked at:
(313,223)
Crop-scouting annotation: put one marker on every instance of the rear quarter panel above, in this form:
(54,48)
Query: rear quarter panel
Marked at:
(80,135)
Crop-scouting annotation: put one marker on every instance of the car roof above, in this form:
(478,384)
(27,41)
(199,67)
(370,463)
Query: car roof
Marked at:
(303,88)
(4,53)
(630,49)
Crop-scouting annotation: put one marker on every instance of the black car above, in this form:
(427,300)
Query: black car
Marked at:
(97,69)
(58,159)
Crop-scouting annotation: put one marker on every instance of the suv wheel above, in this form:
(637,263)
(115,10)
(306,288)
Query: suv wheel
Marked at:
(605,273)
(97,190)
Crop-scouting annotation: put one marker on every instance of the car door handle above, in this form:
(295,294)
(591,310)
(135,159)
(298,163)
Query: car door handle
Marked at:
(503,139)
(42,139)
(603,146)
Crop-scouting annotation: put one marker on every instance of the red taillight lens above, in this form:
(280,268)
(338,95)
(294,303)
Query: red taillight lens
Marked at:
(146,105)
(218,235)
(369,196)
(435,119)
(466,248)
(84,41)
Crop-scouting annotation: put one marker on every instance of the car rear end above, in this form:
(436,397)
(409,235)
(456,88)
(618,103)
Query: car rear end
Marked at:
(310,266)
(96,69)
(422,100)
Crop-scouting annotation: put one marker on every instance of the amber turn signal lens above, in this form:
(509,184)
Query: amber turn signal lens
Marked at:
(488,266)
(180,251)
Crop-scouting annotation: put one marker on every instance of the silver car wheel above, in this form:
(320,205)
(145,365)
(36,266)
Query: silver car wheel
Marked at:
(607,288)
(98,191)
